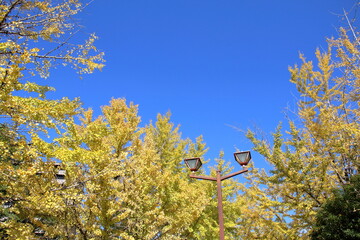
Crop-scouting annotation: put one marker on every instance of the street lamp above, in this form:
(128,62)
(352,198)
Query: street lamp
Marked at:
(194,164)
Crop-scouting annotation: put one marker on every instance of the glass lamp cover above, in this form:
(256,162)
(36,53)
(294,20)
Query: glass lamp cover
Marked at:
(242,158)
(193,163)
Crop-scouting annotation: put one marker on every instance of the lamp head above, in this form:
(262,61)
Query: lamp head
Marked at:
(243,158)
(193,164)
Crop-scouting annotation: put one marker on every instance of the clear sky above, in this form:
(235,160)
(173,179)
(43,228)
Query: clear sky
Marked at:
(214,64)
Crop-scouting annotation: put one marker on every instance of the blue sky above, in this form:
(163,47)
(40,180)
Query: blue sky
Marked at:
(215,65)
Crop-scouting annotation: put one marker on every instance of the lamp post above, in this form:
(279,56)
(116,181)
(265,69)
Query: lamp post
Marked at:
(194,164)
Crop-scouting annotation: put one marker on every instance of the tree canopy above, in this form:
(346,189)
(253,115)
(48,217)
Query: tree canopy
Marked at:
(318,152)
(339,217)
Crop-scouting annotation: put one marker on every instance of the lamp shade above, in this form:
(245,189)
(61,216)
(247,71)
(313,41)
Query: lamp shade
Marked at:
(193,164)
(242,158)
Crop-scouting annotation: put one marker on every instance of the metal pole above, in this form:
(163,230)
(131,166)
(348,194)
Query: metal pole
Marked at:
(220,207)
(218,180)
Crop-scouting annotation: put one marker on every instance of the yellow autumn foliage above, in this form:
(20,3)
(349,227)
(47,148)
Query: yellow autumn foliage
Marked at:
(318,152)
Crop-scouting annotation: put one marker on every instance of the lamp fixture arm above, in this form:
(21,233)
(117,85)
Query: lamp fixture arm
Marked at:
(234,174)
(222,178)
(203,177)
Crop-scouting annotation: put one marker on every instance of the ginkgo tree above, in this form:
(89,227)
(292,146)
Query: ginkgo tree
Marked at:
(122,180)
(319,151)
(34,36)
(130,180)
